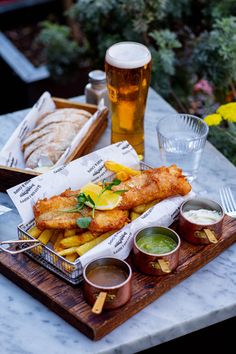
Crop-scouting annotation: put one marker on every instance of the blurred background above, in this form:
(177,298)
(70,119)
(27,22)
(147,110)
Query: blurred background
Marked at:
(52,45)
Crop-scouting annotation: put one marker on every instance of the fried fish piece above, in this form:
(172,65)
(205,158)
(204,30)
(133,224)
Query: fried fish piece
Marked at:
(51,214)
(157,183)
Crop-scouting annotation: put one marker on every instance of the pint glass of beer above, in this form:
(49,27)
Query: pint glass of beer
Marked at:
(128,71)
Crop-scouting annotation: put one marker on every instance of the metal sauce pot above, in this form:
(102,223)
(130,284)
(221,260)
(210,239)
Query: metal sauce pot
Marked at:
(197,233)
(156,264)
(107,297)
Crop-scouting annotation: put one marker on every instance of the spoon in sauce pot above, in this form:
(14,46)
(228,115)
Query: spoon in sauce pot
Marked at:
(107,283)
(201,221)
(98,306)
(105,276)
(204,217)
(156,250)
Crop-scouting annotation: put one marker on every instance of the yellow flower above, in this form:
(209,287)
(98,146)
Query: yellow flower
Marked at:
(228,111)
(213,119)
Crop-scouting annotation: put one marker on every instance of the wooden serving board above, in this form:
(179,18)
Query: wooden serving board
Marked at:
(10,176)
(68,302)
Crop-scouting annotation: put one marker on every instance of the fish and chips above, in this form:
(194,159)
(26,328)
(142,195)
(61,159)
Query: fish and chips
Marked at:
(75,221)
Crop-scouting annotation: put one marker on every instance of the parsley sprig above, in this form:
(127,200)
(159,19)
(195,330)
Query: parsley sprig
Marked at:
(81,199)
(107,186)
(84,221)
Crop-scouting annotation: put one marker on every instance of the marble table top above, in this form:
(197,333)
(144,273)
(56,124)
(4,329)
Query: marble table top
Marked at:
(205,298)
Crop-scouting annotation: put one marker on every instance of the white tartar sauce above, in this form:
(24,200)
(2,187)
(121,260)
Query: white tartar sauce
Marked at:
(202,216)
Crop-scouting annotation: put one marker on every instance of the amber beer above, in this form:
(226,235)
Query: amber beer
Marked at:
(128,70)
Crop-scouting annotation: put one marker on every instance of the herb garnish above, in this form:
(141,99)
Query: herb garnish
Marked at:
(107,186)
(82,199)
(84,221)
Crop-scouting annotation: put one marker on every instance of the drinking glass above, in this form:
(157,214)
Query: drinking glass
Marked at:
(182,138)
(128,72)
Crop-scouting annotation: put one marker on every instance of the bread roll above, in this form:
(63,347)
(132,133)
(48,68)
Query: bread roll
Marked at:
(52,135)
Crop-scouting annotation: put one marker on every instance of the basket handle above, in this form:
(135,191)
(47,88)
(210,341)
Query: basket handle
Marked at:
(17,242)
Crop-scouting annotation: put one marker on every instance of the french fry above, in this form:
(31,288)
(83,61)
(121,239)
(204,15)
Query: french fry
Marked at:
(143,207)
(72,257)
(68,251)
(37,250)
(24,237)
(45,236)
(122,176)
(77,240)
(53,239)
(140,208)
(134,215)
(54,258)
(69,233)
(34,232)
(116,167)
(67,267)
(88,245)
(57,246)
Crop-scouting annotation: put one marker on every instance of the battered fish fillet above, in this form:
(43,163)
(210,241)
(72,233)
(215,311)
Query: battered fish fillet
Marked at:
(49,214)
(158,183)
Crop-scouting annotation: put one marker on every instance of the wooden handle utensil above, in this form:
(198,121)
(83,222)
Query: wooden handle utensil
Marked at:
(164,266)
(161,264)
(211,237)
(98,306)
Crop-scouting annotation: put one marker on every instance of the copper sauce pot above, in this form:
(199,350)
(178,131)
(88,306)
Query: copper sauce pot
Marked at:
(156,264)
(107,297)
(202,234)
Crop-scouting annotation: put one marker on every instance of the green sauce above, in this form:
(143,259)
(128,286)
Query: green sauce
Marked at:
(156,243)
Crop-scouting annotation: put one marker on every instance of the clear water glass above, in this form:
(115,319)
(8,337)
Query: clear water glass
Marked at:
(182,138)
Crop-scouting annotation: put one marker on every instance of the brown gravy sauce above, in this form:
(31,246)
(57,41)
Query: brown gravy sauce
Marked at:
(107,276)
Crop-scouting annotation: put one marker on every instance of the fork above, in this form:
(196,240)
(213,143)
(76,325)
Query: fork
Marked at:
(228,201)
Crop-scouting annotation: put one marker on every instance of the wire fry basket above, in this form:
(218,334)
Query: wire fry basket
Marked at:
(44,255)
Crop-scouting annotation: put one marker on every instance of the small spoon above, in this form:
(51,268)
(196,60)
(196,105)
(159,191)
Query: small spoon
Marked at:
(99,303)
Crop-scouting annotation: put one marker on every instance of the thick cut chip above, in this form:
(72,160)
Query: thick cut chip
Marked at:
(116,167)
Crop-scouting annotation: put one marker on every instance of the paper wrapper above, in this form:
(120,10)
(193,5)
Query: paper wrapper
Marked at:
(11,154)
(90,168)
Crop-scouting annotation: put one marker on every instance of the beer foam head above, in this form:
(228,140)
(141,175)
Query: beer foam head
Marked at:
(128,55)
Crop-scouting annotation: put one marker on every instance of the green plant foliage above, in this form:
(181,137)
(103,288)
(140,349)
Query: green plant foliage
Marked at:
(90,13)
(60,50)
(131,20)
(163,58)
(217,9)
(144,14)
(176,9)
(224,140)
(215,53)
(189,40)
(104,23)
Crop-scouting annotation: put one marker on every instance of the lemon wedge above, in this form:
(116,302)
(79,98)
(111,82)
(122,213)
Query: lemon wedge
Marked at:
(105,201)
